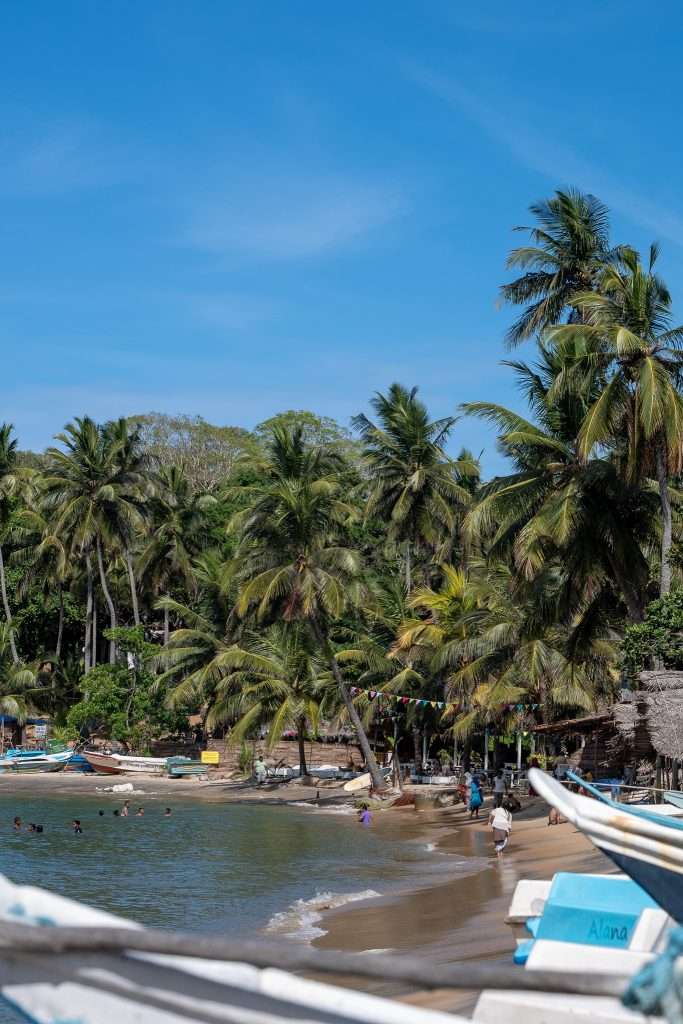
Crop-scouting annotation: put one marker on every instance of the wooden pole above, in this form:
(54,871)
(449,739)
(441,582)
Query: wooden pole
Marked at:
(486,750)
(422,974)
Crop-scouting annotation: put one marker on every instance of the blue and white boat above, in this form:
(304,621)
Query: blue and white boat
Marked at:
(52,759)
(645,845)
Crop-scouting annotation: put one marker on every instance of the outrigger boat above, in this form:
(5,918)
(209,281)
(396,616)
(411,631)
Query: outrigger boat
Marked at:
(124,764)
(645,845)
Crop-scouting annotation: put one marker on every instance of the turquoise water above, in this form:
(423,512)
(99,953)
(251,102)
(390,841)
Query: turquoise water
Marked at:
(226,869)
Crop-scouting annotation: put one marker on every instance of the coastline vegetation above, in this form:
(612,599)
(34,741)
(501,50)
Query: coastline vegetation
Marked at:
(156,567)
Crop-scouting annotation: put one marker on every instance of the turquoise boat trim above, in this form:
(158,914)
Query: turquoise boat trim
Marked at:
(657,819)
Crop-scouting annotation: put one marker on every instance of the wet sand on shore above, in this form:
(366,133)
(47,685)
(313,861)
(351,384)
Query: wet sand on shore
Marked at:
(462,918)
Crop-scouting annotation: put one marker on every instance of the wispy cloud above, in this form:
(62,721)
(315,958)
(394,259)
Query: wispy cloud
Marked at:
(560,163)
(291,215)
(61,157)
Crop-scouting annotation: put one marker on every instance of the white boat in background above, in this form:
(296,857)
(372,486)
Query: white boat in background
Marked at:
(124,764)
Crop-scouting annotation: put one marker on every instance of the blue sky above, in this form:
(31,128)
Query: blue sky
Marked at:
(233,208)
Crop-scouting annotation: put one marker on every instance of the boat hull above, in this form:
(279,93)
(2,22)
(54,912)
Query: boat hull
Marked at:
(120,764)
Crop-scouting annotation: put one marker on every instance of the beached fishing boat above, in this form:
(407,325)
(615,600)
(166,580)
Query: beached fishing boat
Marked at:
(646,845)
(124,764)
(52,759)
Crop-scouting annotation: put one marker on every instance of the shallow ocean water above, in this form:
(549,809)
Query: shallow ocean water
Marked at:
(217,868)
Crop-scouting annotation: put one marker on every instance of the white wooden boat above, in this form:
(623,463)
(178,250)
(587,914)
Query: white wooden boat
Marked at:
(100,987)
(645,845)
(124,764)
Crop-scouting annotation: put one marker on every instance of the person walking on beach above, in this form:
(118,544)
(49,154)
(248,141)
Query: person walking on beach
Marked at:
(500,788)
(500,821)
(476,799)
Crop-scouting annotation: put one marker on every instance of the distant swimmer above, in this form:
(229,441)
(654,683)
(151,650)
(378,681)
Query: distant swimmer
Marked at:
(34,828)
(167,812)
(125,809)
(76,825)
(117,813)
(101,814)
(17,824)
(140,812)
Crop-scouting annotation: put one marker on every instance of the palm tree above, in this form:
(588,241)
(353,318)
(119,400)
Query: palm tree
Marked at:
(12,477)
(415,488)
(628,335)
(92,499)
(569,251)
(293,562)
(125,444)
(272,680)
(556,507)
(178,529)
(19,686)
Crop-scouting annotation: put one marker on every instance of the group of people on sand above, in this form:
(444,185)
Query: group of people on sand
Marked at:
(77,828)
(500,816)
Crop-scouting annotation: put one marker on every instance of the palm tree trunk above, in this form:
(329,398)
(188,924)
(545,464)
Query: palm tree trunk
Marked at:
(133,591)
(632,599)
(409,576)
(417,750)
(93,661)
(60,624)
(301,737)
(87,662)
(8,613)
(108,599)
(167,631)
(665,501)
(378,782)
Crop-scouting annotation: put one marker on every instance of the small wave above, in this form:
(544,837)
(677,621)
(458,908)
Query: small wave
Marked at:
(430,847)
(323,808)
(301,919)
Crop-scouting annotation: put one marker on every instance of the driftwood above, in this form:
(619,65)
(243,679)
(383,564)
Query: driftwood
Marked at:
(20,940)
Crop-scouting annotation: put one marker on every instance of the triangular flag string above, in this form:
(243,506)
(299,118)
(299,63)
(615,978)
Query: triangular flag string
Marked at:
(379,696)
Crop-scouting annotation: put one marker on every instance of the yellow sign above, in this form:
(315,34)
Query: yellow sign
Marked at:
(210,757)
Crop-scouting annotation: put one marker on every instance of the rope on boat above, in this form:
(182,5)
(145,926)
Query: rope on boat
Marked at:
(21,939)
(657,989)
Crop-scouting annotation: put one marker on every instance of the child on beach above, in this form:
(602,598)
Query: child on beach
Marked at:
(365,818)
(500,821)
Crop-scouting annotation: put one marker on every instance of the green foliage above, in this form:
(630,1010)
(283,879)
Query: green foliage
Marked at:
(657,640)
(123,705)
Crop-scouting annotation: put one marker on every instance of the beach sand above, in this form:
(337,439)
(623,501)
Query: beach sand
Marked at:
(462,918)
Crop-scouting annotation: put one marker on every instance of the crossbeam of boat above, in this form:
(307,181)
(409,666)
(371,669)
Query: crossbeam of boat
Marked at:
(17,939)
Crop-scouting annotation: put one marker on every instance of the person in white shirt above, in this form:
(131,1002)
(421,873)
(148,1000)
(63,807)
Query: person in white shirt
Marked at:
(500,788)
(500,821)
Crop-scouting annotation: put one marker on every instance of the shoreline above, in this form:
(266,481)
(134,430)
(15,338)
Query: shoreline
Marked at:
(463,917)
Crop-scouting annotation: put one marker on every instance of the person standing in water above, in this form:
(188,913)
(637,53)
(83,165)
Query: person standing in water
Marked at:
(500,821)
(365,817)
(167,812)
(125,809)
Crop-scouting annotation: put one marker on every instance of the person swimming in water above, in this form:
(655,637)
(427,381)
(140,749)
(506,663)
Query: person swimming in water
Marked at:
(167,812)
(76,825)
(17,824)
(125,809)
(140,812)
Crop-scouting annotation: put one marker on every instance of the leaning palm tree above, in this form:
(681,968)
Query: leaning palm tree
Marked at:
(294,562)
(628,335)
(414,487)
(570,247)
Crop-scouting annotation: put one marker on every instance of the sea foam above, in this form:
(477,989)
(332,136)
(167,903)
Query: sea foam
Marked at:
(301,920)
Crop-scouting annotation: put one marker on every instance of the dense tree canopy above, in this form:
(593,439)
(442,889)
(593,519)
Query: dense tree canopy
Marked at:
(274,580)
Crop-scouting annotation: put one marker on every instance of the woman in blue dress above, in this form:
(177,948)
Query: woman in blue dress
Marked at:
(476,799)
